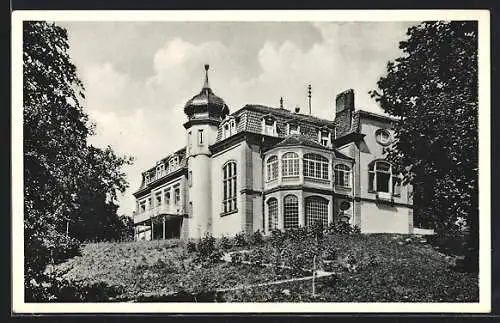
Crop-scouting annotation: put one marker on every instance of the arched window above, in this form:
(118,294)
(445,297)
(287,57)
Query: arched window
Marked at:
(272,211)
(291,212)
(316,210)
(342,175)
(315,166)
(229,186)
(380,177)
(290,164)
(272,168)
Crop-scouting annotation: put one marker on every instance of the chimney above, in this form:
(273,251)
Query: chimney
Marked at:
(344,101)
(344,109)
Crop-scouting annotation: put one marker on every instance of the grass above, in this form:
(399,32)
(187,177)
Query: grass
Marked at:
(393,268)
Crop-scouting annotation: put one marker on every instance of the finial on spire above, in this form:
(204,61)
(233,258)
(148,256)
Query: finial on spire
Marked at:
(206,84)
(281,102)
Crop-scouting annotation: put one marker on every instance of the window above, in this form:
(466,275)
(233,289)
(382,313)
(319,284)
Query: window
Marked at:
(166,196)
(158,198)
(189,140)
(272,168)
(229,128)
(160,170)
(380,177)
(150,205)
(147,178)
(142,206)
(342,175)
(200,136)
(290,164)
(383,137)
(177,195)
(316,166)
(190,178)
(173,163)
(293,129)
(272,211)
(316,211)
(229,187)
(291,212)
(324,137)
(269,126)
(396,185)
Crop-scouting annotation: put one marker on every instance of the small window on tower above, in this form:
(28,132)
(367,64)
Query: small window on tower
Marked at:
(200,137)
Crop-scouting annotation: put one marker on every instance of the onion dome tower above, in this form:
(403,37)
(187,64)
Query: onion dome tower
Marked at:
(204,111)
(206,105)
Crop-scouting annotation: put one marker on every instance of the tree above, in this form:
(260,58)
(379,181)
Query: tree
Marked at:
(433,91)
(59,165)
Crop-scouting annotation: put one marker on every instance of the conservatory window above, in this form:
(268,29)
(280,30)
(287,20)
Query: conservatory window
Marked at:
(272,168)
(272,211)
(316,166)
(290,164)
(291,212)
(316,211)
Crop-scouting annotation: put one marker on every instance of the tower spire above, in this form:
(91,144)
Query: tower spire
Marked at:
(206,85)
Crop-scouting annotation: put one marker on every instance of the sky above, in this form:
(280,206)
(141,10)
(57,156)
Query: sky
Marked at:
(139,75)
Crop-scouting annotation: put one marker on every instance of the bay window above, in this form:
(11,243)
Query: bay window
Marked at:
(316,166)
(290,164)
(272,168)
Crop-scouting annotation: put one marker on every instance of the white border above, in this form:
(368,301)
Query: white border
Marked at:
(483,17)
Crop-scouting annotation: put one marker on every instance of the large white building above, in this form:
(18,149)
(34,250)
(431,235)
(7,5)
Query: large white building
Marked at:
(262,167)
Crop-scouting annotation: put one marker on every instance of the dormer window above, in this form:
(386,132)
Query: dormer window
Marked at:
(160,170)
(173,163)
(325,137)
(293,129)
(269,126)
(147,179)
(228,128)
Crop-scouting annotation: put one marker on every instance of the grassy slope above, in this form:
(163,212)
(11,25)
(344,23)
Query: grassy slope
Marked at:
(388,270)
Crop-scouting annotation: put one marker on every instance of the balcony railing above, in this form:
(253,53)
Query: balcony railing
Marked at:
(166,172)
(159,210)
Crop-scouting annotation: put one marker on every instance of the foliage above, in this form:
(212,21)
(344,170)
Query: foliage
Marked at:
(207,252)
(256,238)
(67,183)
(191,246)
(224,243)
(240,240)
(342,227)
(433,91)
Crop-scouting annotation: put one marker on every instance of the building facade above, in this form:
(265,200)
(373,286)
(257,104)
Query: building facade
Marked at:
(261,167)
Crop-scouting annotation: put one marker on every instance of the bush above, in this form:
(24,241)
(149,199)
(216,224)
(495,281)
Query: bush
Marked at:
(224,243)
(207,252)
(343,228)
(256,238)
(240,240)
(191,246)
(257,257)
(297,234)
(236,258)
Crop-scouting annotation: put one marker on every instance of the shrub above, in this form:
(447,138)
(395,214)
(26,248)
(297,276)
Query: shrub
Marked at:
(297,234)
(224,243)
(191,246)
(256,238)
(257,257)
(207,252)
(240,240)
(236,258)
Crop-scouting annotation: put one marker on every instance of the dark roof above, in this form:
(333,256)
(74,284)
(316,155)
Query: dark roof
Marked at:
(376,116)
(282,112)
(299,140)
